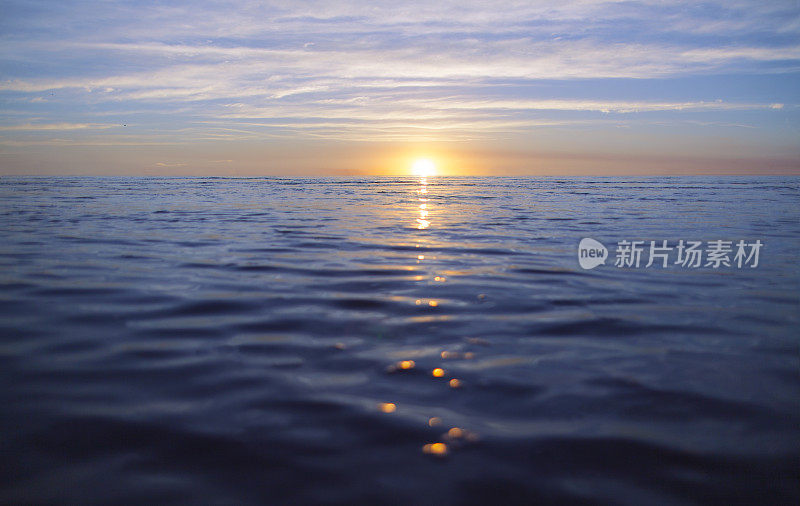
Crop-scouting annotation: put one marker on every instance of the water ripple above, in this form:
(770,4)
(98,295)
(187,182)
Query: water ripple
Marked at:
(380,340)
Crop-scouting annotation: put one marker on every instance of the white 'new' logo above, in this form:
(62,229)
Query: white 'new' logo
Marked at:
(591,253)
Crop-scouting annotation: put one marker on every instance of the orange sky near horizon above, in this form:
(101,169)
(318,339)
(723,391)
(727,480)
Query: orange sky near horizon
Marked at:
(380,159)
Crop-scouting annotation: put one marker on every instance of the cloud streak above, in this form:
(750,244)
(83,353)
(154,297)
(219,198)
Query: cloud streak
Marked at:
(28,127)
(400,70)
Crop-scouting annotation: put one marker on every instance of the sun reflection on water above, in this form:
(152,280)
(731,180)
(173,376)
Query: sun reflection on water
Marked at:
(430,363)
(422,220)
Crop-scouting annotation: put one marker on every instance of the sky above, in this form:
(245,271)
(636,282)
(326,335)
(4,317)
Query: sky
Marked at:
(334,88)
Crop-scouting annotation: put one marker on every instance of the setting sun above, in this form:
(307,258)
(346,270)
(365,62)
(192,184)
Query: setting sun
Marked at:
(423,167)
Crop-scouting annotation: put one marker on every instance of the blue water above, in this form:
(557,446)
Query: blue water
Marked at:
(237,341)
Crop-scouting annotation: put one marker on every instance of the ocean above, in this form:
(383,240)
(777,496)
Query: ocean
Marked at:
(399,340)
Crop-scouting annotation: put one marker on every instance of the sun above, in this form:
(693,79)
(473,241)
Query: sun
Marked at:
(423,167)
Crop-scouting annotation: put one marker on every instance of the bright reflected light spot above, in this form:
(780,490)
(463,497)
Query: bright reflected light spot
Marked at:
(423,168)
(406,364)
(420,257)
(433,303)
(455,433)
(454,383)
(441,279)
(423,224)
(438,372)
(423,206)
(388,407)
(438,449)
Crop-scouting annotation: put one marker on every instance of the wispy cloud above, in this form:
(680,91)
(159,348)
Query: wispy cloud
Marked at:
(404,69)
(29,127)
(244,71)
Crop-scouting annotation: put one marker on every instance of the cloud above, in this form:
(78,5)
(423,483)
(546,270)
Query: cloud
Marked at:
(456,68)
(604,106)
(29,127)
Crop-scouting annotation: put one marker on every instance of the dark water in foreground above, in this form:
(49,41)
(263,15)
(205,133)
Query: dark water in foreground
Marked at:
(226,341)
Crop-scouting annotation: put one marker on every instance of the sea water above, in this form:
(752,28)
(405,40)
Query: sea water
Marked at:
(258,340)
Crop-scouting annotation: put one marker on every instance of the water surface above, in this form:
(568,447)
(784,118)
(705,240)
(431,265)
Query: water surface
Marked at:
(236,341)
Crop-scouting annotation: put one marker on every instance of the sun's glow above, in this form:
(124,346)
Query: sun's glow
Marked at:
(423,167)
